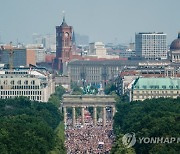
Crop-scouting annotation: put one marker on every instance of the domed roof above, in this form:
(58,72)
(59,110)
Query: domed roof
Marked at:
(175,45)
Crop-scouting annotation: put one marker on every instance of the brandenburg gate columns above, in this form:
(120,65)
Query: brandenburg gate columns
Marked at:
(65,115)
(94,115)
(104,116)
(82,115)
(83,101)
(73,116)
(113,111)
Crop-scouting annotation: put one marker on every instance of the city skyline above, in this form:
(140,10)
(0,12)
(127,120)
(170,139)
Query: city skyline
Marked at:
(114,21)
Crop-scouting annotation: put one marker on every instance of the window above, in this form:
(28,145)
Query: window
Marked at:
(33,82)
(12,82)
(5,82)
(171,87)
(19,82)
(26,82)
(164,87)
(144,87)
(137,87)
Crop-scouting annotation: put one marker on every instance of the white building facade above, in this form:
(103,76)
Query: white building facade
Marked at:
(40,52)
(36,84)
(151,46)
(98,49)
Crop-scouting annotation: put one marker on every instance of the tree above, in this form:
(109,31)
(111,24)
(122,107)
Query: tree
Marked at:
(54,100)
(25,134)
(149,118)
(110,88)
(28,127)
(57,96)
(60,91)
(119,148)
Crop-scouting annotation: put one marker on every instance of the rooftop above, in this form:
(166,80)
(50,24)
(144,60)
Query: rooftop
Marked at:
(88,100)
(175,45)
(157,83)
(150,33)
(104,62)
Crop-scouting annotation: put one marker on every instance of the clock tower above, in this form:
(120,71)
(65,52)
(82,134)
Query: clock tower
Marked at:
(63,46)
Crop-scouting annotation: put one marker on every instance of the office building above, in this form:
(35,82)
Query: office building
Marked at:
(96,72)
(39,50)
(97,49)
(48,41)
(156,69)
(148,88)
(20,56)
(151,46)
(127,53)
(34,83)
(81,39)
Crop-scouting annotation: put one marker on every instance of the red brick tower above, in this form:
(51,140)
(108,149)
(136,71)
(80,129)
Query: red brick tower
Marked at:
(63,46)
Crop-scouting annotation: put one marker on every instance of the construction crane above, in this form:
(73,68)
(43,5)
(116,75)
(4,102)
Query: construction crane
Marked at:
(11,53)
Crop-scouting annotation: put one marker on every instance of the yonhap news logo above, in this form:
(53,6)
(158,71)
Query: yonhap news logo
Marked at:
(130,139)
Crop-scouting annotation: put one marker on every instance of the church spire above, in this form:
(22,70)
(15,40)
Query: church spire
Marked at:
(64,16)
(64,21)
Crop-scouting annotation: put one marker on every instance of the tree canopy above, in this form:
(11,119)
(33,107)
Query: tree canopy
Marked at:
(148,118)
(57,96)
(110,88)
(27,126)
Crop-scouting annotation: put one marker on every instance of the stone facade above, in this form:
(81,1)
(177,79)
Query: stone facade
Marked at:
(36,84)
(148,88)
(96,72)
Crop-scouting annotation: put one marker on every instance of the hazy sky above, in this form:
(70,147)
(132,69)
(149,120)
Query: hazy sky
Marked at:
(101,20)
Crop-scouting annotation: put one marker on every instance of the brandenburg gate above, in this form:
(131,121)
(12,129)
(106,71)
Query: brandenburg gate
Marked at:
(83,101)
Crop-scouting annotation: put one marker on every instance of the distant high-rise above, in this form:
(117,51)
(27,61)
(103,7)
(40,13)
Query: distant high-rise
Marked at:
(21,56)
(151,46)
(64,35)
(48,41)
(98,49)
(81,39)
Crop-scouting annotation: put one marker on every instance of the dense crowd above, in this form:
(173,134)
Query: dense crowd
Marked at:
(89,139)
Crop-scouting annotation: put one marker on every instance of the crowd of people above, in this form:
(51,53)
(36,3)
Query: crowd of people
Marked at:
(89,139)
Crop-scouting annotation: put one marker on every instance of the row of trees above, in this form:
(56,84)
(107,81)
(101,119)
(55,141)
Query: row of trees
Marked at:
(148,118)
(31,127)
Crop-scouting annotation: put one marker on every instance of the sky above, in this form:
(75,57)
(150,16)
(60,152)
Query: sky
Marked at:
(108,21)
